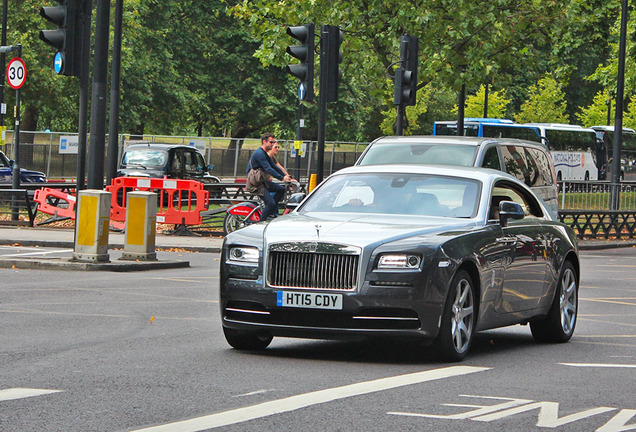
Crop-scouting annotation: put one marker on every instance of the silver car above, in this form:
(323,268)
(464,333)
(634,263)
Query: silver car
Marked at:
(431,253)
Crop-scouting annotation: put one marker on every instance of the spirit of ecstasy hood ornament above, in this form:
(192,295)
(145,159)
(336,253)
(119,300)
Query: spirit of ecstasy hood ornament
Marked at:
(317,230)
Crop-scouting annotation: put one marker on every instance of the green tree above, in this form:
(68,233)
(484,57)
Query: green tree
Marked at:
(545,103)
(497,104)
(596,113)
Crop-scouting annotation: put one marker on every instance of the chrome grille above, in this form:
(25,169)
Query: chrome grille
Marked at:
(313,270)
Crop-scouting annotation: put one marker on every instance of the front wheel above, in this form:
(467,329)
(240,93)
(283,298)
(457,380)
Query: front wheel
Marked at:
(232,222)
(458,320)
(559,325)
(247,341)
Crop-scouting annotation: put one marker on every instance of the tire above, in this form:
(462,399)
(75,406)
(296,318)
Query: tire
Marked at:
(247,341)
(559,325)
(232,222)
(458,320)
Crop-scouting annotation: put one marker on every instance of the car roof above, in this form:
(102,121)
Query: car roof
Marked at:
(157,146)
(453,140)
(482,174)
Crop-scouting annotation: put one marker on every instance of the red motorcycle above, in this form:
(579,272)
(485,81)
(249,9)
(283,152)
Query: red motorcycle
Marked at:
(249,212)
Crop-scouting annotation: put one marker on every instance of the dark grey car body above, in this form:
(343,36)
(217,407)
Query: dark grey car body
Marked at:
(514,266)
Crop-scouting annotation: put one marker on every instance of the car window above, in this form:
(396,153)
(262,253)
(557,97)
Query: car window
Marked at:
(491,158)
(411,194)
(145,157)
(190,161)
(503,191)
(176,161)
(382,153)
(517,165)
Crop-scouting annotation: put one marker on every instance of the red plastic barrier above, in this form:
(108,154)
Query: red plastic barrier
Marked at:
(180,201)
(49,201)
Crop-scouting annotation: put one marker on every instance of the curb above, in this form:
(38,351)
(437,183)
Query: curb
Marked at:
(111,246)
(70,264)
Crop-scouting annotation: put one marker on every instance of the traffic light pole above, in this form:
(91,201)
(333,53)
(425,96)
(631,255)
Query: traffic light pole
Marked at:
(98,99)
(3,59)
(618,115)
(299,138)
(322,102)
(84,81)
(399,120)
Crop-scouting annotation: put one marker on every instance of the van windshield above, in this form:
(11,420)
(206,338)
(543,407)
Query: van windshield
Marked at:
(402,152)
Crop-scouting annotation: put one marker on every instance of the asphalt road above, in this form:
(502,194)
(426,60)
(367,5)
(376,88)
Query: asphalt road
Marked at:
(102,351)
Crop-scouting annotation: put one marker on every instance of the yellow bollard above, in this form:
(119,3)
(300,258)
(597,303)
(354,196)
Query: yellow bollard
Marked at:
(91,226)
(141,222)
(313,178)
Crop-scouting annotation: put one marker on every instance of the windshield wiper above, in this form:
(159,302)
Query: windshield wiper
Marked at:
(134,165)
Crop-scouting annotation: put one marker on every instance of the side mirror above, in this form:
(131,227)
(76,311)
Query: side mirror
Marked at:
(210,167)
(295,200)
(11,162)
(509,210)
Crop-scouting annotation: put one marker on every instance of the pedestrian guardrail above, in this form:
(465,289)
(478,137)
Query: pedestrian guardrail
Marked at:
(16,207)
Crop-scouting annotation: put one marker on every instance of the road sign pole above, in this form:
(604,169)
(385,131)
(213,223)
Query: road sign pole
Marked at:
(16,146)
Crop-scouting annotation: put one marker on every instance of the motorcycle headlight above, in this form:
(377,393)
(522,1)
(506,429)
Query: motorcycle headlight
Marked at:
(243,254)
(398,261)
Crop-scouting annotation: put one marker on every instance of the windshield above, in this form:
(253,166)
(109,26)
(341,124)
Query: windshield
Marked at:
(382,153)
(405,194)
(146,158)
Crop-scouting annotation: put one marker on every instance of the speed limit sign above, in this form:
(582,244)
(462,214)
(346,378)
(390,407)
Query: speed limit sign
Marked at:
(16,73)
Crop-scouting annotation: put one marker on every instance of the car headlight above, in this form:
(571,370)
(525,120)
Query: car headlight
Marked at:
(243,254)
(398,261)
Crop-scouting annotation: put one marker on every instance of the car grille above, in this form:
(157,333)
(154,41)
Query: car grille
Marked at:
(313,270)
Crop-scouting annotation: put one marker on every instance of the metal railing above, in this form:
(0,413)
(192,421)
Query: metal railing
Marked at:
(41,151)
(595,195)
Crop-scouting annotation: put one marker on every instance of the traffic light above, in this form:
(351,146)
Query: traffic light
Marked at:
(304,70)
(332,38)
(67,38)
(406,75)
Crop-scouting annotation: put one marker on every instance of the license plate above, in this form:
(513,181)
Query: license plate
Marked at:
(309,300)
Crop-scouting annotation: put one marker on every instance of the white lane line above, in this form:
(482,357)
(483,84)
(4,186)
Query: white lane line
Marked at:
(599,365)
(293,403)
(24,254)
(21,393)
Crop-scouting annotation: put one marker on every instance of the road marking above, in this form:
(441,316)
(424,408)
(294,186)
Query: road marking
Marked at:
(293,403)
(21,393)
(600,300)
(600,365)
(24,254)
(253,393)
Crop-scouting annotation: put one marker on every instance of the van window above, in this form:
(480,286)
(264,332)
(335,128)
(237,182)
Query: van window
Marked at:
(491,159)
(542,163)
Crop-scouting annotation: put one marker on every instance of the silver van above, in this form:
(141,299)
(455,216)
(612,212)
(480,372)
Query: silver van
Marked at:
(529,161)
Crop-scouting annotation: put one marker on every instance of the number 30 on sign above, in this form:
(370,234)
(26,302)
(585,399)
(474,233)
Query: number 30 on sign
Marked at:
(16,73)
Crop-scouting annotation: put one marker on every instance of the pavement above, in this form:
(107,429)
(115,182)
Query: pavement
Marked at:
(64,238)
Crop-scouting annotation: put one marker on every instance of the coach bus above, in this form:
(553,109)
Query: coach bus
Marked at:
(488,127)
(605,139)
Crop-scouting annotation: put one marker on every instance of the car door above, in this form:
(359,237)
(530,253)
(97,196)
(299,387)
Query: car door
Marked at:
(175,167)
(526,269)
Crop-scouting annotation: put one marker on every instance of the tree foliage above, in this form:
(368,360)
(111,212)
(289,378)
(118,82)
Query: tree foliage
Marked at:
(215,67)
(497,104)
(545,104)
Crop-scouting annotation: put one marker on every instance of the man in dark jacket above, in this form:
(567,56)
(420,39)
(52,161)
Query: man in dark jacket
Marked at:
(260,159)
